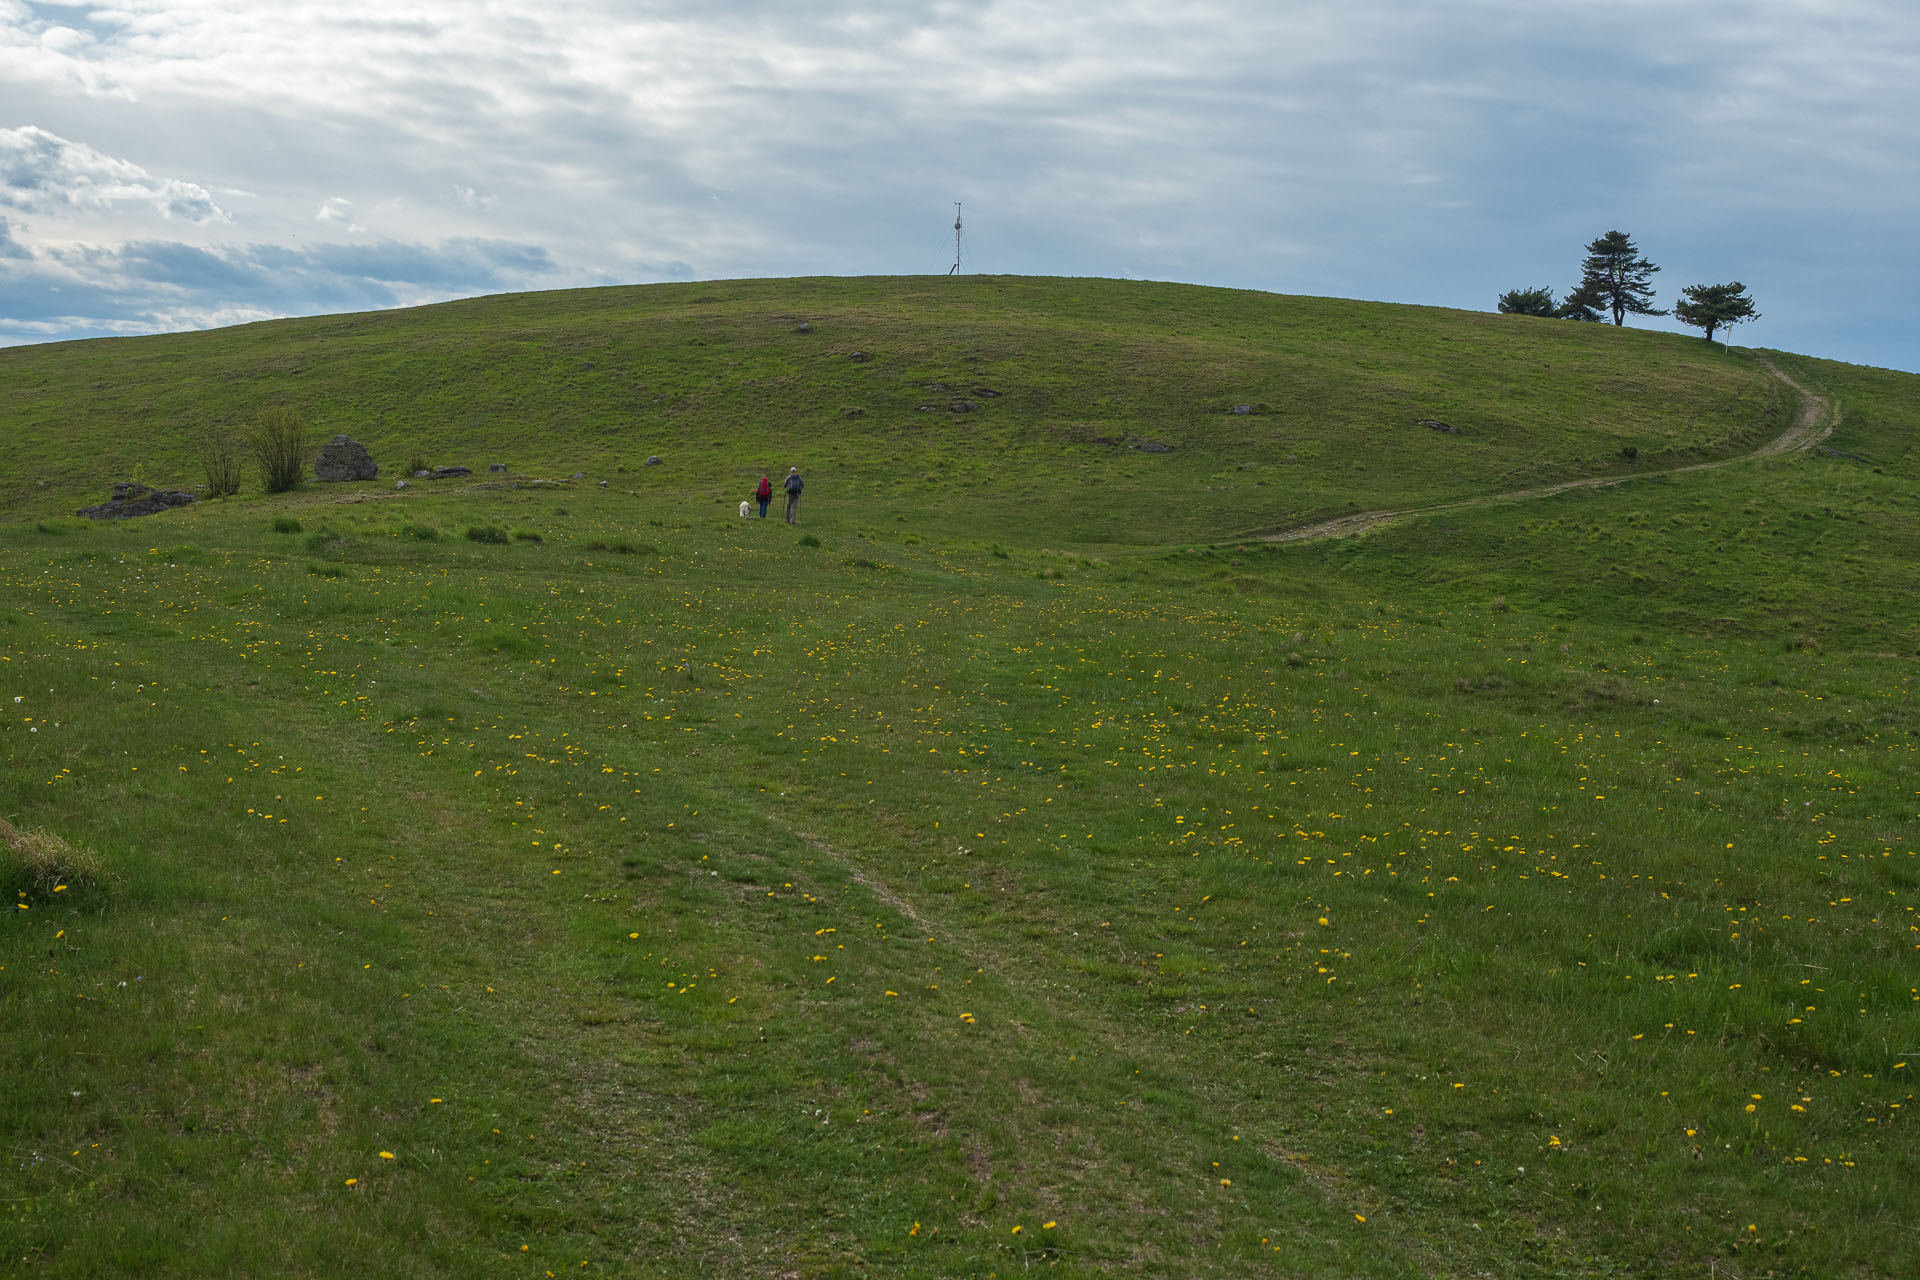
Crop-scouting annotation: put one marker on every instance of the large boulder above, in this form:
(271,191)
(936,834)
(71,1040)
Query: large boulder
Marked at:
(134,499)
(344,459)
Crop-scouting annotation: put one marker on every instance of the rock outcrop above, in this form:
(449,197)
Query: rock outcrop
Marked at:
(133,499)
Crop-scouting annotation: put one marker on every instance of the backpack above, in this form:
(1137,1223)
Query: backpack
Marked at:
(793,483)
(765,490)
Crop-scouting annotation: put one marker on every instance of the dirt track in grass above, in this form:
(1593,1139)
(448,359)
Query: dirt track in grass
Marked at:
(1813,423)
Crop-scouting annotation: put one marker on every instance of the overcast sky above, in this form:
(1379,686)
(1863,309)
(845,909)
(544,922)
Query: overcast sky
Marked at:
(171,164)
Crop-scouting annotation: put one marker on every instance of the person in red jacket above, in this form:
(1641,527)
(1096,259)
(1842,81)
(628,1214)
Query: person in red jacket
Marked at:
(764,494)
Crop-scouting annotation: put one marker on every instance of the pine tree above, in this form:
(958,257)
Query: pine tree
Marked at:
(1709,306)
(1528,302)
(1617,278)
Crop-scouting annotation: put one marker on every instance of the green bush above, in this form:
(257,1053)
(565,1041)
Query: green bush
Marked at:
(527,535)
(420,532)
(279,444)
(492,533)
(285,524)
(220,463)
(808,540)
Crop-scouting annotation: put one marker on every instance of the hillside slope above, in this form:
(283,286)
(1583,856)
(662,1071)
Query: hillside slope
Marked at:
(937,401)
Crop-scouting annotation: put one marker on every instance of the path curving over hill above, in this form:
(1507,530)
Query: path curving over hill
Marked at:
(1813,423)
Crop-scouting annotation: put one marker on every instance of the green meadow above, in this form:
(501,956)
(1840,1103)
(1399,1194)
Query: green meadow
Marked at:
(1029,864)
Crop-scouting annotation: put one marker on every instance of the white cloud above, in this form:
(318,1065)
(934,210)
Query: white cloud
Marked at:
(40,171)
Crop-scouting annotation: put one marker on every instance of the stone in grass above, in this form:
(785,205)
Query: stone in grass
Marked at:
(654,461)
(399,484)
(579,475)
(344,459)
(130,498)
(1434,424)
(447,473)
(1153,446)
(497,467)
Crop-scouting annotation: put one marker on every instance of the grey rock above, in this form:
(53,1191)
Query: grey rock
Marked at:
(421,474)
(344,459)
(497,467)
(1153,446)
(603,484)
(133,499)
(987,393)
(803,327)
(399,484)
(579,475)
(1435,424)
(859,357)
(445,473)
(654,461)
(1242,409)
(962,406)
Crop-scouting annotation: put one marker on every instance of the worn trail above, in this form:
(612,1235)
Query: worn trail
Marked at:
(1813,423)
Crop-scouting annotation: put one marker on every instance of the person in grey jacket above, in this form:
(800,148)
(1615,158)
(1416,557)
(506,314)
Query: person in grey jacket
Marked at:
(794,484)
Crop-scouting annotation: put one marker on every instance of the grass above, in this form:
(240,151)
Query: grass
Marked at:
(1509,891)
(714,379)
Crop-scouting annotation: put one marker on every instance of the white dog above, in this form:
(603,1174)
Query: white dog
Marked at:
(744,508)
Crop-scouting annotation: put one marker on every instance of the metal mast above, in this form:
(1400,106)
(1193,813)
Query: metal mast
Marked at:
(955,268)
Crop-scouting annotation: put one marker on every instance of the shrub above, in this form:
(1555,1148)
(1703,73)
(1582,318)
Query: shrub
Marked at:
(220,463)
(278,442)
(326,571)
(808,540)
(420,532)
(322,539)
(285,524)
(416,464)
(1499,604)
(527,535)
(491,533)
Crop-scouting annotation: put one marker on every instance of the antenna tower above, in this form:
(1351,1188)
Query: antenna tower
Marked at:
(954,270)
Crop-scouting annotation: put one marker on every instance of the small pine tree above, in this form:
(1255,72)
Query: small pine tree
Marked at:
(1528,302)
(278,441)
(1583,305)
(1709,306)
(1616,278)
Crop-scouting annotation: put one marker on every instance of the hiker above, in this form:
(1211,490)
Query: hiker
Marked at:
(764,494)
(793,495)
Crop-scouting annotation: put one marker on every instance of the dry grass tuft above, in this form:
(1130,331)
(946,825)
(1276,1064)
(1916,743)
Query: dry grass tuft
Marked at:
(39,861)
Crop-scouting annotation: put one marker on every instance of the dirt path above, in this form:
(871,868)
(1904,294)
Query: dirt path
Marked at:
(1813,423)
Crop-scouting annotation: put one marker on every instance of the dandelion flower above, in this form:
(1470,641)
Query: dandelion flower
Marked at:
(386,1155)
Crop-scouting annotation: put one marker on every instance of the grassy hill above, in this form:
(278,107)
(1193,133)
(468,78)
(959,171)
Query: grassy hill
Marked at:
(1026,868)
(1065,380)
